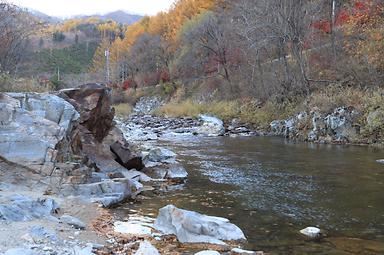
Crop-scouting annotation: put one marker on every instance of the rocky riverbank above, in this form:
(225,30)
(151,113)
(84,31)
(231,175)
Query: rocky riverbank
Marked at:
(63,161)
(340,125)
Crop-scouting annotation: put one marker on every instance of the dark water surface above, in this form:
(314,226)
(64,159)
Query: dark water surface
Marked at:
(272,188)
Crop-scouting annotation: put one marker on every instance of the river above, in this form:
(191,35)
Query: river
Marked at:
(271,188)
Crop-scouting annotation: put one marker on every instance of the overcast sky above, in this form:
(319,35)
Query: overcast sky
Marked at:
(67,8)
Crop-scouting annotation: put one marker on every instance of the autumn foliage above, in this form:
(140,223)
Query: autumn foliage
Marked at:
(245,47)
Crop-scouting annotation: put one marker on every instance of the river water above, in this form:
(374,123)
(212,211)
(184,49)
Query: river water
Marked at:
(272,188)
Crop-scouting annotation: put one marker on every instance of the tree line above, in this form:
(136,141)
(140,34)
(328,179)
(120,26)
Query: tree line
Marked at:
(247,48)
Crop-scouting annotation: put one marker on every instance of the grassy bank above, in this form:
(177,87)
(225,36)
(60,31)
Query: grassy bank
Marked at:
(260,114)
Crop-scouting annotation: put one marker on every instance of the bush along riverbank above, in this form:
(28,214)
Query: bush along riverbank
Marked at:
(64,162)
(335,115)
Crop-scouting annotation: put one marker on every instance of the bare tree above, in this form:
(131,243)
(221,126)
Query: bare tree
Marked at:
(16,26)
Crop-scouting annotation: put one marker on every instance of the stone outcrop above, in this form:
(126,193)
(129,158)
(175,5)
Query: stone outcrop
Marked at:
(37,130)
(93,102)
(337,127)
(193,227)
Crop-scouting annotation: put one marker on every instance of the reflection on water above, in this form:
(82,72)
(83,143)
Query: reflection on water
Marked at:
(272,188)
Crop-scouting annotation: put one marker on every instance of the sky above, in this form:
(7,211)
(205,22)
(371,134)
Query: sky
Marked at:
(68,8)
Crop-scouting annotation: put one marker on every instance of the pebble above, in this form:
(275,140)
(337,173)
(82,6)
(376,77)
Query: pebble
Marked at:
(311,232)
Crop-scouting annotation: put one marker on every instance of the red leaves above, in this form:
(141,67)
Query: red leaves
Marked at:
(342,18)
(322,25)
(164,76)
(127,84)
(360,6)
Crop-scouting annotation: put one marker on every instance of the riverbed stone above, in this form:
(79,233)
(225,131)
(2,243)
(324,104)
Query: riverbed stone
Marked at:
(146,248)
(173,172)
(212,126)
(238,251)
(311,232)
(20,251)
(132,228)
(176,172)
(193,227)
(72,221)
(158,156)
(208,252)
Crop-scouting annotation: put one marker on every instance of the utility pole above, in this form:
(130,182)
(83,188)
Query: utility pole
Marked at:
(333,24)
(107,66)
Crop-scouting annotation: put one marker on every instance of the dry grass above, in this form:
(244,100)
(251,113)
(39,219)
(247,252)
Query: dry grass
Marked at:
(336,96)
(223,109)
(123,110)
(227,110)
(23,85)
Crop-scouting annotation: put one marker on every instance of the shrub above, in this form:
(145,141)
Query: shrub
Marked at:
(186,108)
(123,110)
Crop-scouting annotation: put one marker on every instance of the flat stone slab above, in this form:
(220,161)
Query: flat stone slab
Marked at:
(193,227)
(21,208)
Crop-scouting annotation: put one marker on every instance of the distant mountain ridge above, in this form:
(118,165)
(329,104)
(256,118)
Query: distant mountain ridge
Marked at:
(44,17)
(121,17)
(118,16)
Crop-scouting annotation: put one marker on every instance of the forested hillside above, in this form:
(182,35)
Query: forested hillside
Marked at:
(41,52)
(253,48)
(259,60)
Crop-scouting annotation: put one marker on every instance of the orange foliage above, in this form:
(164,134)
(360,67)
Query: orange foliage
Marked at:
(366,20)
(166,24)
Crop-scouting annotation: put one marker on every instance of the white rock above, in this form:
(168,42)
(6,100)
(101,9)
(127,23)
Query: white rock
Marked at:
(20,251)
(212,126)
(193,227)
(241,251)
(381,161)
(159,155)
(207,252)
(132,228)
(311,232)
(146,248)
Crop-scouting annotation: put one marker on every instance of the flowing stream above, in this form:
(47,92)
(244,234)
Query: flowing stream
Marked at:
(272,188)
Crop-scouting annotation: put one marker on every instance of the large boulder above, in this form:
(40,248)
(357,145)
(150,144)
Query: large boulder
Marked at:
(126,157)
(93,102)
(174,172)
(36,130)
(158,156)
(212,126)
(193,227)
